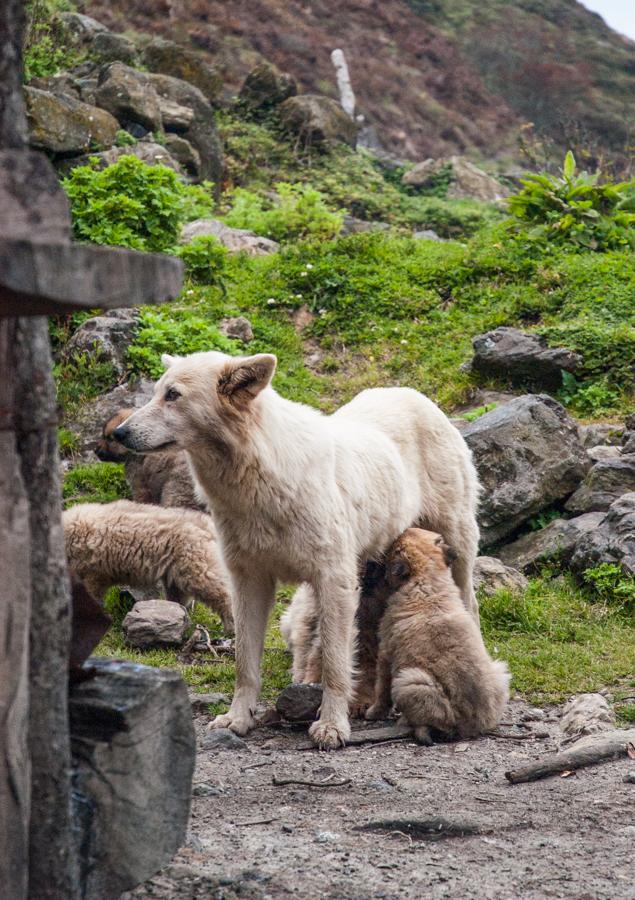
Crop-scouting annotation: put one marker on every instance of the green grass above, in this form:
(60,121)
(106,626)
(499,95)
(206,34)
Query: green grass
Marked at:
(94,483)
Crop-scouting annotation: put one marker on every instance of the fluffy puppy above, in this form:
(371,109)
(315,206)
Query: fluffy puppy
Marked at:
(432,662)
(139,545)
(164,478)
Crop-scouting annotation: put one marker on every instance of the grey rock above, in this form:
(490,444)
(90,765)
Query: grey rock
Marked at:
(147,151)
(522,358)
(299,702)
(317,120)
(206,790)
(201,702)
(586,714)
(129,96)
(201,133)
(491,575)
(238,327)
(427,235)
(629,778)
(235,239)
(607,480)
(599,433)
(265,87)
(534,714)
(108,47)
(467,179)
(326,837)
(65,125)
(167,58)
(604,452)
(628,447)
(223,739)
(80,28)
(352,225)
(187,156)
(106,338)
(132,734)
(63,85)
(528,455)
(555,542)
(612,541)
(155,623)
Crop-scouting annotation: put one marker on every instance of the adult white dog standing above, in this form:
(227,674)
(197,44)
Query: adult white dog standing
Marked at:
(298,496)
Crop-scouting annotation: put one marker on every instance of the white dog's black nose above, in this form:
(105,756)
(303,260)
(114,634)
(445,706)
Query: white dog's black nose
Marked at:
(122,434)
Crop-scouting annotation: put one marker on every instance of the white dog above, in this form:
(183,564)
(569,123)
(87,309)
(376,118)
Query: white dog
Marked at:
(299,496)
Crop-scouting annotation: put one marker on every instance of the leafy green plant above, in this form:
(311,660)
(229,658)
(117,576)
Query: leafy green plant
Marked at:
(590,398)
(574,209)
(473,414)
(80,378)
(131,204)
(95,483)
(611,586)
(68,442)
(298,211)
(45,50)
(205,260)
(124,139)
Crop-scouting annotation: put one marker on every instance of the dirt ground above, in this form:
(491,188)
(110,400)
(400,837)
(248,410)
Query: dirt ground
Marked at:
(570,837)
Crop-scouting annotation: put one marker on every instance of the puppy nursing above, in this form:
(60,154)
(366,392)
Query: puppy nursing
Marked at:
(432,662)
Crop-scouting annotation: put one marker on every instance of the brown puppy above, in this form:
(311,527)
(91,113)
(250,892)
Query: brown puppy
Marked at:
(432,662)
(163,478)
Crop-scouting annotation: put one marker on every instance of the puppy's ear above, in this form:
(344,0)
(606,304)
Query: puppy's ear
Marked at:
(167,360)
(397,571)
(242,380)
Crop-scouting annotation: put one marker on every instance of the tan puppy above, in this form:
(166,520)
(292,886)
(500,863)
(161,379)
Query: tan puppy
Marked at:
(432,662)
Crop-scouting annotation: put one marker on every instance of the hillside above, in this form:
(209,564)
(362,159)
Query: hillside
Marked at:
(432,76)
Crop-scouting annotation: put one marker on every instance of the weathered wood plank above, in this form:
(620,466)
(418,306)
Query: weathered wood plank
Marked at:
(49,278)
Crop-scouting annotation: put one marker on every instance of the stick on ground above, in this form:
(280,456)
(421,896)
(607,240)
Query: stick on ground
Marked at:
(585,752)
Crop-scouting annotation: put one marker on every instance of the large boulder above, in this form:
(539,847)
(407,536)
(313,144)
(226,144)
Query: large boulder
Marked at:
(65,125)
(108,47)
(586,714)
(555,542)
(80,29)
(235,239)
(131,736)
(187,156)
(491,575)
(176,95)
(265,87)
(155,623)
(522,358)
(605,481)
(528,455)
(317,120)
(612,541)
(129,95)
(600,433)
(106,337)
(467,180)
(167,58)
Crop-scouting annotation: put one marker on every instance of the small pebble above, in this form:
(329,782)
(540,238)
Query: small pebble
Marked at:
(326,837)
(223,739)
(287,829)
(629,778)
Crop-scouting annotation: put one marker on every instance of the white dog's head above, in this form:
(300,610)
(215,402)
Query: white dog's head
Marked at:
(205,397)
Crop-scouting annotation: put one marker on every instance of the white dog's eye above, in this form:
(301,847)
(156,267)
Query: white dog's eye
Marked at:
(172,394)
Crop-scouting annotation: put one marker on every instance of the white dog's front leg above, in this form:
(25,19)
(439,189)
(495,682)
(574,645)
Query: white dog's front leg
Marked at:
(337,602)
(252,601)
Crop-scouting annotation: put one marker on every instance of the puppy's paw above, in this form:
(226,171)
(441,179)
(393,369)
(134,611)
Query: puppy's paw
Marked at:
(423,736)
(377,711)
(330,735)
(238,722)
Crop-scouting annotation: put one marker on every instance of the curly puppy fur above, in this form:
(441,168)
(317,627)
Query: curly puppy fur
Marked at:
(163,478)
(432,661)
(140,545)
(298,496)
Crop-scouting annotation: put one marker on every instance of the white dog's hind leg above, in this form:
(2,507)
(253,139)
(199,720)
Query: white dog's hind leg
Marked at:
(337,602)
(253,601)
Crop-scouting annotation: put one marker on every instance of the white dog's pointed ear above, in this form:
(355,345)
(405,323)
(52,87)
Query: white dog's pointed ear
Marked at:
(167,360)
(243,379)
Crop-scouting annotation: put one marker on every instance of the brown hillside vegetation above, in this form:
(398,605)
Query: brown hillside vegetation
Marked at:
(433,76)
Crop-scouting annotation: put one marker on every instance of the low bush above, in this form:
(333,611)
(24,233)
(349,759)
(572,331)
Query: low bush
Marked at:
(297,211)
(205,260)
(612,587)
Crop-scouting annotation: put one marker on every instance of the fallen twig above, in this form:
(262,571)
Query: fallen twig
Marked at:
(533,735)
(280,782)
(585,752)
(255,822)
(256,765)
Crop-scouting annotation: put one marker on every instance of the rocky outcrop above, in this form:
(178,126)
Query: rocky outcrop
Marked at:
(129,95)
(108,47)
(597,433)
(62,124)
(235,239)
(106,337)
(187,156)
(147,151)
(528,454)
(155,623)
(607,480)
(555,542)
(317,120)
(491,575)
(266,87)
(612,541)
(586,714)
(466,179)
(522,358)
(353,225)
(167,58)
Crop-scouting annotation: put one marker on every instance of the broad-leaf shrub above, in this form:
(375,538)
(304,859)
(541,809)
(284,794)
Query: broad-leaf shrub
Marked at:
(297,211)
(132,204)
(574,209)
(205,260)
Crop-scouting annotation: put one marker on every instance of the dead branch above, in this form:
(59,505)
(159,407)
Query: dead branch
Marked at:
(586,752)
(280,782)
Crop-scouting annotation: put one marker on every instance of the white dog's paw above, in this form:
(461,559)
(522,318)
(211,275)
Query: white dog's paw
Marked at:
(330,735)
(377,711)
(239,723)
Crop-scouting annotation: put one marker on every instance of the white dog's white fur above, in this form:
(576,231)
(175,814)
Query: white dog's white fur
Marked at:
(299,496)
